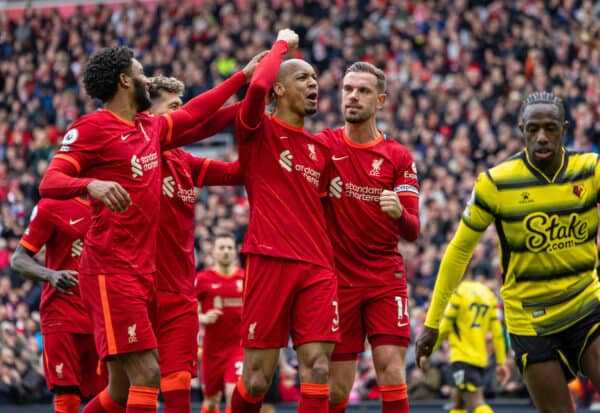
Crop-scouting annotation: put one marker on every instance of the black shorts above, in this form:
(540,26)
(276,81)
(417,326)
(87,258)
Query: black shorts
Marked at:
(566,346)
(466,377)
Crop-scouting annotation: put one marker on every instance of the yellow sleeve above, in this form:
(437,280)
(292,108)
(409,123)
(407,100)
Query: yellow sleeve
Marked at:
(478,214)
(452,268)
(498,339)
(448,320)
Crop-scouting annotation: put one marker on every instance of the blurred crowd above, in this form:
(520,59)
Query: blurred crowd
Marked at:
(457,72)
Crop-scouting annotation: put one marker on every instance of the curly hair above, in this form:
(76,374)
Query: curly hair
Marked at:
(101,74)
(167,84)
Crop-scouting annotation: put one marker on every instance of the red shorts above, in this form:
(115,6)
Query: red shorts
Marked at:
(218,369)
(71,360)
(120,308)
(176,332)
(372,311)
(283,297)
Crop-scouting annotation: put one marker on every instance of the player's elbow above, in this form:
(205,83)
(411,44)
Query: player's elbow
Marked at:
(16,260)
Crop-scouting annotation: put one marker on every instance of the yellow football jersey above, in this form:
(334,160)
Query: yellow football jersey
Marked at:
(547,229)
(470,315)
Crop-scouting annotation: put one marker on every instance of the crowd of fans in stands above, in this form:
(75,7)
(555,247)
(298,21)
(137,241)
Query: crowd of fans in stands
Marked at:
(457,71)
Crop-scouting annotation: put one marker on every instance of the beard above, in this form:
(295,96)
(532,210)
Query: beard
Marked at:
(142,100)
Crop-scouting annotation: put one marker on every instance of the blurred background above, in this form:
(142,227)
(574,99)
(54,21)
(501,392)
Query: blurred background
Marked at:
(457,72)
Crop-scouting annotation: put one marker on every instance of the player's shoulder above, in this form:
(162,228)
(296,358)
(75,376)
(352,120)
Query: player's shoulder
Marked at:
(395,149)
(508,167)
(85,129)
(204,274)
(580,161)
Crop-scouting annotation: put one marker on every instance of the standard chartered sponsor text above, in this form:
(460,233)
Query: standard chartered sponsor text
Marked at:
(363,193)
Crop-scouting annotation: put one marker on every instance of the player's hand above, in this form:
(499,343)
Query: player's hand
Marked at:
(62,281)
(290,37)
(390,203)
(502,374)
(425,343)
(211,316)
(112,194)
(252,64)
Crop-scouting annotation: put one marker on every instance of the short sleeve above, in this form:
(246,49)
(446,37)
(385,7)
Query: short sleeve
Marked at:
(80,144)
(40,229)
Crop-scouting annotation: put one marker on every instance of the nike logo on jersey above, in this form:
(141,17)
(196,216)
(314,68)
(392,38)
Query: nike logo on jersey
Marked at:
(214,286)
(75,221)
(124,137)
(339,158)
(402,324)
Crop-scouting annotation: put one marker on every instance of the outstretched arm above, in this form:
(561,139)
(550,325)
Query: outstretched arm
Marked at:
(203,109)
(211,126)
(220,173)
(253,106)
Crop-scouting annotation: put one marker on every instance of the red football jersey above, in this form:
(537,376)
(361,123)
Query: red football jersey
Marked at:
(104,146)
(364,238)
(215,290)
(60,226)
(284,171)
(181,172)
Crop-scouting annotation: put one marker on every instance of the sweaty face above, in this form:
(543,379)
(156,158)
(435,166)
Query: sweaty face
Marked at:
(543,129)
(166,103)
(360,97)
(224,251)
(300,87)
(140,87)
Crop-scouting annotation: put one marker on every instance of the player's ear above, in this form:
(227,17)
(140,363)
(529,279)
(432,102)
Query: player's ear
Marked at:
(278,89)
(381,98)
(125,80)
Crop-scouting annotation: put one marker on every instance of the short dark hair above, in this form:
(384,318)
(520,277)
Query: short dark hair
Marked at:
(167,84)
(545,98)
(365,67)
(102,71)
(224,234)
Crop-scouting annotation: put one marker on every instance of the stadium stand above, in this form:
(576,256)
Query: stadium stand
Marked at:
(457,72)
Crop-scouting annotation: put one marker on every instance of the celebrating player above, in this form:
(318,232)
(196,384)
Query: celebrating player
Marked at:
(373,202)
(70,358)
(176,312)
(113,155)
(290,285)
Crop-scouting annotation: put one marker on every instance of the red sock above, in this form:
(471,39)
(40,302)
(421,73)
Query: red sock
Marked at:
(244,402)
(338,407)
(394,399)
(227,409)
(314,398)
(142,399)
(103,403)
(66,403)
(176,389)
